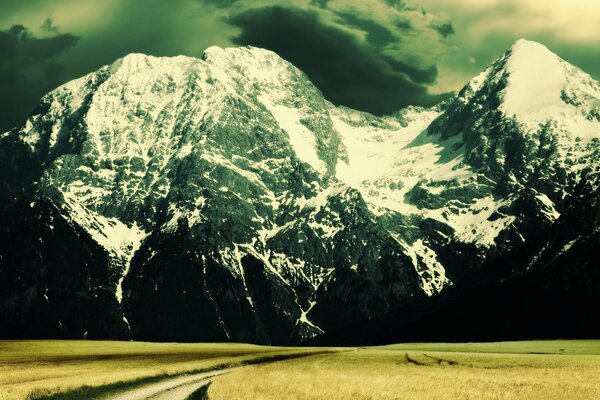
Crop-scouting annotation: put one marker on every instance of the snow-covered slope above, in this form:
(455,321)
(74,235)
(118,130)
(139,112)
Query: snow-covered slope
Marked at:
(232,201)
(541,87)
(523,135)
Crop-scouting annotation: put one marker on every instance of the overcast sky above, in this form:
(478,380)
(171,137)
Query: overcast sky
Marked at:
(377,55)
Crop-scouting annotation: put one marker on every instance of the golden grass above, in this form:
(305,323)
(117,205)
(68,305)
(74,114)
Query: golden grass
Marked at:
(382,373)
(29,368)
(404,371)
(522,347)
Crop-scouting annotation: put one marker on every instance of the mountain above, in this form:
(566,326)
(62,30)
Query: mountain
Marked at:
(545,289)
(224,198)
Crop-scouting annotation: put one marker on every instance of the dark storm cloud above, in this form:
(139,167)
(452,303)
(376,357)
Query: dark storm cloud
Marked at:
(319,3)
(219,3)
(403,24)
(417,75)
(348,72)
(377,35)
(28,70)
(48,26)
(375,54)
(397,4)
(445,29)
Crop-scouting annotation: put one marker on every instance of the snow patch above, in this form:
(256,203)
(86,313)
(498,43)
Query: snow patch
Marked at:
(548,210)
(431,272)
(120,240)
(476,224)
(301,138)
(322,198)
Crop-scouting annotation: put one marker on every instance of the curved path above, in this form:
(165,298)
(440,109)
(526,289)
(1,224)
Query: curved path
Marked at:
(182,386)
(179,388)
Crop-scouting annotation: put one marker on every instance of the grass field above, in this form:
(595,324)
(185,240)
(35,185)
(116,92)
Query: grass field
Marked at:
(508,370)
(31,369)
(427,371)
(587,347)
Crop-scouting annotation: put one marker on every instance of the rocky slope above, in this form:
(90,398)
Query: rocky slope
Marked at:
(224,198)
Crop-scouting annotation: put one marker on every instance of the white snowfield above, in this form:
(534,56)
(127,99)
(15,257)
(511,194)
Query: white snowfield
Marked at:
(301,138)
(148,112)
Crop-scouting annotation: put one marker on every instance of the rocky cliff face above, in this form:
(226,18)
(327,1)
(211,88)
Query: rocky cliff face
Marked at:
(223,198)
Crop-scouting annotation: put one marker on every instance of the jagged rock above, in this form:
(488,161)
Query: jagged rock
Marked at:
(224,198)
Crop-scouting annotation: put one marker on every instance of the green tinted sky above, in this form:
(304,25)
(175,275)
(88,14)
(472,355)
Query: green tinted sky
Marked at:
(377,55)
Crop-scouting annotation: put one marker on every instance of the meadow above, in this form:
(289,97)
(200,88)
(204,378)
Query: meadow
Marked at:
(508,370)
(32,369)
(556,370)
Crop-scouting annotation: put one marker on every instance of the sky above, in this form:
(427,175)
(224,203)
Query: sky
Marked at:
(372,55)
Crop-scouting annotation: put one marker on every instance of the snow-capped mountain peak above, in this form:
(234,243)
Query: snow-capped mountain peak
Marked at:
(541,87)
(535,79)
(252,62)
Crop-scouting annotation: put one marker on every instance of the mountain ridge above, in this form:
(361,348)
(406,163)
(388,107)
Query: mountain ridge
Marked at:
(228,187)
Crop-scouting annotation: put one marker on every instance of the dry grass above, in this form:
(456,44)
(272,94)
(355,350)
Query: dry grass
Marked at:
(589,347)
(31,369)
(395,373)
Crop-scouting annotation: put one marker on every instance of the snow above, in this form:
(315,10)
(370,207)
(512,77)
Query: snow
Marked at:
(568,246)
(428,267)
(549,209)
(301,138)
(304,319)
(324,231)
(384,164)
(185,150)
(475,84)
(252,176)
(31,139)
(176,213)
(126,239)
(373,152)
(474,225)
(321,199)
(120,240)
(112,234)
(141,134)
(536,80)
(251,64)
(266,234)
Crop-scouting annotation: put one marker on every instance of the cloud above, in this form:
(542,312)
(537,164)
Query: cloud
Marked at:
(48,26)
(376,34)
(485,29)
(374,55)
(399,4)
(377,57)
(319,3)
(446,29)
(28,69)
(219,3)
(382,54)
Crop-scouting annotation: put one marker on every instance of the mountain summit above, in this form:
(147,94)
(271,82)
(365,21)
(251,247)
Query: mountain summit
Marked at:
(541,86)
(224,198)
